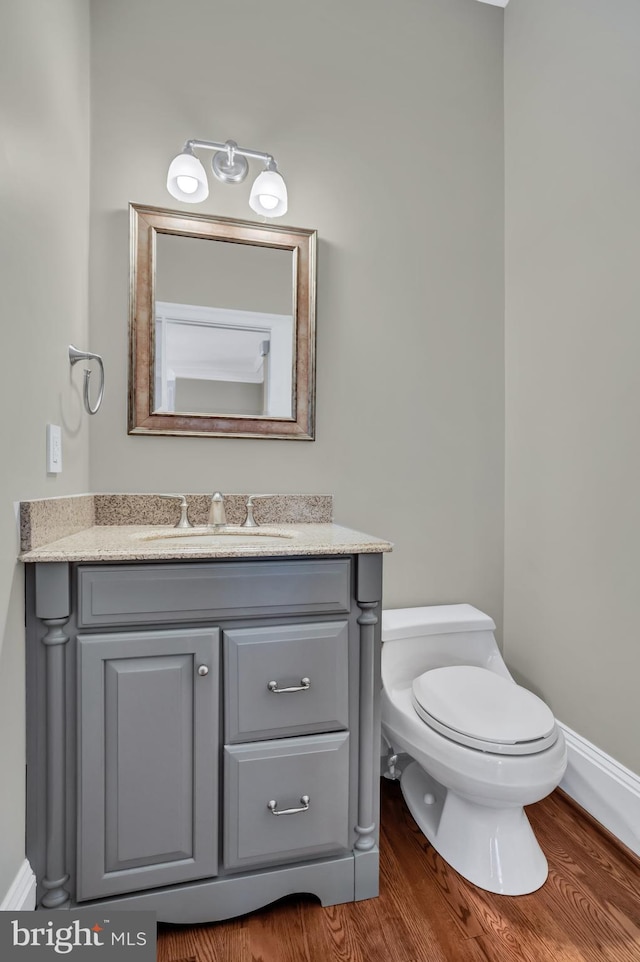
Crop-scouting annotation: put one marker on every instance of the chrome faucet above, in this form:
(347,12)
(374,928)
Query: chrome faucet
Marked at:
(217,514)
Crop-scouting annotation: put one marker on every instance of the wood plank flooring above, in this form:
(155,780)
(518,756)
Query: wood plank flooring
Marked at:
(588,910)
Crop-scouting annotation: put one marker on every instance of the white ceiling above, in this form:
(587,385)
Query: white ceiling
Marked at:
(496,3)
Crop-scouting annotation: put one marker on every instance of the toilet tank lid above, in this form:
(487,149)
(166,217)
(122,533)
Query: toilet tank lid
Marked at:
(433,620)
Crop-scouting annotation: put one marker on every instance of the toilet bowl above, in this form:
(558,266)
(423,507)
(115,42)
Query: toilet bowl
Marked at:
(482,746)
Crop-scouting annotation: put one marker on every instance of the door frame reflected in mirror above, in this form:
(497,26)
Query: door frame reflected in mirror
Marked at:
(146,223)
(184,348)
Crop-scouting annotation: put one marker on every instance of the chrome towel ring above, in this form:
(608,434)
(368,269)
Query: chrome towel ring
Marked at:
(74,356)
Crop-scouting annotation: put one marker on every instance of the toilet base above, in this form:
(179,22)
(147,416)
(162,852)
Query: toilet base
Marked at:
(494,848)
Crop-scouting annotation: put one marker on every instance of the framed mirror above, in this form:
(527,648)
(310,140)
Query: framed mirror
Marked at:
(222,327)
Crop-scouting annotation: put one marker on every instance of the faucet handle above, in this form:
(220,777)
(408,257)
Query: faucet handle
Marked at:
(250,521)
(183,521)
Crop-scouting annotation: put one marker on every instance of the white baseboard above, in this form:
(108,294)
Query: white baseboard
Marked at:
(604,788)
(21,896)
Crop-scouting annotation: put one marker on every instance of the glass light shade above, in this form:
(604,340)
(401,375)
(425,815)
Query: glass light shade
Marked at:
(269,194)
(187,180)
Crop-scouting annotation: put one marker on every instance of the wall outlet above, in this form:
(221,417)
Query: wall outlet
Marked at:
(54,449)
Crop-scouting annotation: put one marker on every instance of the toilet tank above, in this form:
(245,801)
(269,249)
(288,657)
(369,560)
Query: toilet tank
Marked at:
(418,639)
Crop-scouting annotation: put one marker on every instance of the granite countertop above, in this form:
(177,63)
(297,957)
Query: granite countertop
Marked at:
(96,528)
(132,543)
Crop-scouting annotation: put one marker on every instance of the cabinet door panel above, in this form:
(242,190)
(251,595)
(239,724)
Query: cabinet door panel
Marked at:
(148,755)
(149,594)
(283,771)
(148,760)
(286,654)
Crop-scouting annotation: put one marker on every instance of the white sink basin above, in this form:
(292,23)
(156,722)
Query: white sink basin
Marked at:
(205,536)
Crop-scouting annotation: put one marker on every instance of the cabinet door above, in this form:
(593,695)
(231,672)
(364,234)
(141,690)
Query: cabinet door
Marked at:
(148,759)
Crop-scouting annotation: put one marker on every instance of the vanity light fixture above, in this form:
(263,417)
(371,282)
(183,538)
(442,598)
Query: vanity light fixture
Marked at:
(187,179)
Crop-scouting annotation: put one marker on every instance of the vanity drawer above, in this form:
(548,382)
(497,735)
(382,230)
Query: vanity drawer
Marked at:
(286,680)
(278,775)
(147,594)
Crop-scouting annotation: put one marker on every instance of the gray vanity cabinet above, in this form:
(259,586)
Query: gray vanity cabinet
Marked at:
(203,736)
(147,759)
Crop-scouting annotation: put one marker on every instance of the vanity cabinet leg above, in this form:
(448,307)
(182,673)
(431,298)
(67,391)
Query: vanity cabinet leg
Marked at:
(52,607)
(368,598)
(366,826)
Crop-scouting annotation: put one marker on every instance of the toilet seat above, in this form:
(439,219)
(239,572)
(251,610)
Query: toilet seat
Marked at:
(483,710)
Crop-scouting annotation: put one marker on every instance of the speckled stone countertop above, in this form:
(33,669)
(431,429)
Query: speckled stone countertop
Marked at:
(97,528)
(155,543)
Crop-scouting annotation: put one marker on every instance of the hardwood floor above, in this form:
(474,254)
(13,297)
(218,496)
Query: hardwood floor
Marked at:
(588,910)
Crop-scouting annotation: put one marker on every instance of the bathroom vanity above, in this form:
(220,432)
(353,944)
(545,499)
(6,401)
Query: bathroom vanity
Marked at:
(203,730)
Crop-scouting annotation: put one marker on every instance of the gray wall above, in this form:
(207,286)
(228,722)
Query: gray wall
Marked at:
(386,121)
(44,206)
(572,76)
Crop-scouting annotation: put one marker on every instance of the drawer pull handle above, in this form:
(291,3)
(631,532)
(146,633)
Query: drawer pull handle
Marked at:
(305,684)
(203,670)
(273,807)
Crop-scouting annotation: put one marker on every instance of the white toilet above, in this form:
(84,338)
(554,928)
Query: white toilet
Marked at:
(483,746)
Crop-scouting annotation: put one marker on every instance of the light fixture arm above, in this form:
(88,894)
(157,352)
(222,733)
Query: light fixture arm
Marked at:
(231,147)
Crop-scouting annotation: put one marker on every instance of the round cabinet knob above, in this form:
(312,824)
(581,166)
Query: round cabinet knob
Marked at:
(203,670)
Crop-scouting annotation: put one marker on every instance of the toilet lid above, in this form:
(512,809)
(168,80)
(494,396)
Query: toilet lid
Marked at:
(476,707)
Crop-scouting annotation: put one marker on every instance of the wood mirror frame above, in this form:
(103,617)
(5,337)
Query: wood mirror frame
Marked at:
(145,224)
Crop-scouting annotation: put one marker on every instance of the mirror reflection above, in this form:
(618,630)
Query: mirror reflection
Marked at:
(222,335)
(224,328)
